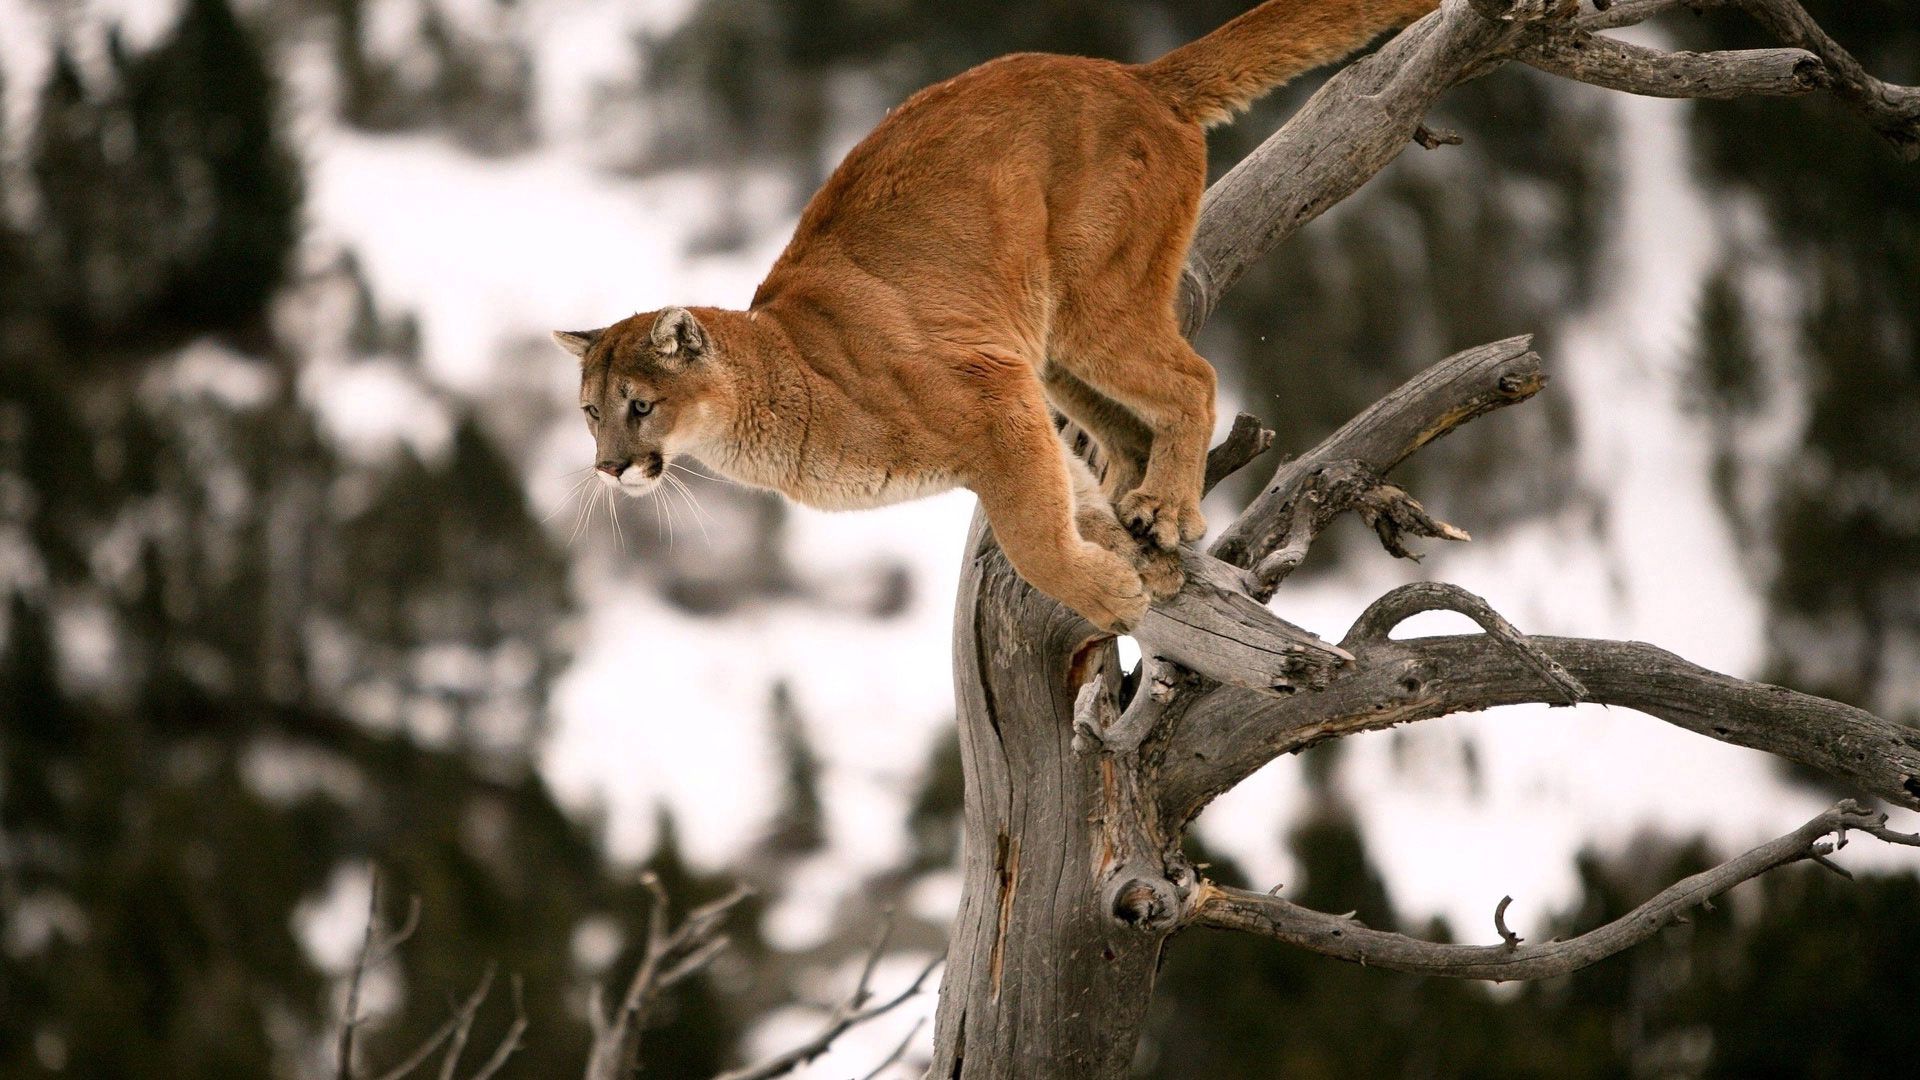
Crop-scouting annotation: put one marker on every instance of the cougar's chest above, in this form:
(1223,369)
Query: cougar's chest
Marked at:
(851,486)
(833,482)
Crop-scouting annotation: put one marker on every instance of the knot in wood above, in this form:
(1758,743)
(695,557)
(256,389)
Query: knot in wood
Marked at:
(1150,902)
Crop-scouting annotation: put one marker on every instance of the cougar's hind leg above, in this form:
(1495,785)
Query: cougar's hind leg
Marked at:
(1124,441)
(1118,330)
(1027,491)
(1158,377)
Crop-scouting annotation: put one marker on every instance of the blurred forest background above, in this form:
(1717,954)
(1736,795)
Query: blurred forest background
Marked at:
(278,602)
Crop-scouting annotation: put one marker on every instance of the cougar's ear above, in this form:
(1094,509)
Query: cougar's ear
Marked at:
(577,342)
(677,335)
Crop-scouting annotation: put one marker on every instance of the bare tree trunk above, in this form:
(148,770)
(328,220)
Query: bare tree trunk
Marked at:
(1037,983)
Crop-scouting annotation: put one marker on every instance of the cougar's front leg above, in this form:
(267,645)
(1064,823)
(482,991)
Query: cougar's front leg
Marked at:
(1027,491)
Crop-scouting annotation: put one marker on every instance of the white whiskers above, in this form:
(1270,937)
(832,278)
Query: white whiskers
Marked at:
(700,515)
(586,501)
(613,515)
(572,494)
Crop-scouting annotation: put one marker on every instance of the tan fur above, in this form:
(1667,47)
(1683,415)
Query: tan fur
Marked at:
(1008,239)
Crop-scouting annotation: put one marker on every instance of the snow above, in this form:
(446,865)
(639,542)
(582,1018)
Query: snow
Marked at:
(664,708)
(372,408)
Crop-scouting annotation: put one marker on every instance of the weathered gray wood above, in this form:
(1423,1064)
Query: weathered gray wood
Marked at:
(1349,130)
(1232,733)
(1039,982)
(1452,392)
(1892,111)
(1512,959)
(1635,69)
(1214,627)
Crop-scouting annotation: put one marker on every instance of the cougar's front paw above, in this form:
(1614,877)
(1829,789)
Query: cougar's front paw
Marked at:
(1161,521)
(1160,570)
(1111,595)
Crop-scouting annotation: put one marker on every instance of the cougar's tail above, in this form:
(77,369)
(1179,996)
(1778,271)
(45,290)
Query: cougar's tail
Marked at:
(1210,80)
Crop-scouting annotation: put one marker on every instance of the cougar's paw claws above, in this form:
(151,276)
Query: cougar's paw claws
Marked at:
(1161,572)
(1120,613)
(1161,522)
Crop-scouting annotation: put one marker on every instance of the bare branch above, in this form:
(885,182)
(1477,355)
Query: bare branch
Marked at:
(1332,490)
(1226,736)
(1623,13)
(376,948)
(672,955)
(1367,113)
(1512,939)
(425,1050)
(1613,64)
(1463,387)
(463,1026)
(1097,728)
(511,1043)
(1375,623)
(1269,916)
(846,1016)
(1892,111)
(1215,627)
(1358,122)
(1218,626)
(1245,441)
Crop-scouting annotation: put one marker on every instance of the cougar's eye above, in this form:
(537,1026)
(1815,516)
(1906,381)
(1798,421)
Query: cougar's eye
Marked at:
(638,409)
(592,411)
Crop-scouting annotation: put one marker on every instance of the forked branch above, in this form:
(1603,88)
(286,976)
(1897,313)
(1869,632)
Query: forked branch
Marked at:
(1277,527)
(1228,735)
(450,1039)
(858,1008)
(672,955)
(1513,959)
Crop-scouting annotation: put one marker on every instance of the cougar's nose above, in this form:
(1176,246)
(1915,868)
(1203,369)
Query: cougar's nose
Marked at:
(612,468)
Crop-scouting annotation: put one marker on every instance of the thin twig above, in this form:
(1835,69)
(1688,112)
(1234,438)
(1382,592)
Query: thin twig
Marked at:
(846,1016)
(512,1041)
(899,1051)
(376,949)
(1512,939)
(672,955)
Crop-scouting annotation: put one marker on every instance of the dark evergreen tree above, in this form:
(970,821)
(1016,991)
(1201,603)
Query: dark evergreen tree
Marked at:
(202,109)
(799,825)
(1846,214)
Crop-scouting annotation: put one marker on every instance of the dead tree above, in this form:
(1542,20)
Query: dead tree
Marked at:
(1076,802)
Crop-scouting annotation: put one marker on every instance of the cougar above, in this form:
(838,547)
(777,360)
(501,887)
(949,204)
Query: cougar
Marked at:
(1008,240)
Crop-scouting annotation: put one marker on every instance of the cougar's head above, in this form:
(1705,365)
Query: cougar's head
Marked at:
(646,388)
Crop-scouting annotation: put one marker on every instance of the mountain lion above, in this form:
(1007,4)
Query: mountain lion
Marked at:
(1008,239)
